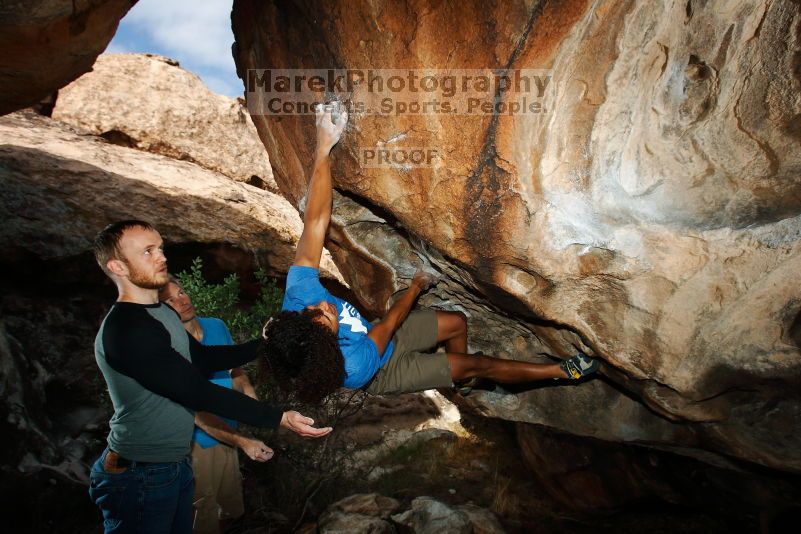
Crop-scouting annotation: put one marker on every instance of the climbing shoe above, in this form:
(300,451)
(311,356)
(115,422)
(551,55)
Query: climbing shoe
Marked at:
(467,386)
(579,366)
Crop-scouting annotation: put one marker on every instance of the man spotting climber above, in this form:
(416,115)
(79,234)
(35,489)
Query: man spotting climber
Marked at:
(157,375)
(218,499)
(319,342)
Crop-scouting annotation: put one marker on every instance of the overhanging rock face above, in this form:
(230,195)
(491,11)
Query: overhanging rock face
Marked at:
(650,216)
(45,44)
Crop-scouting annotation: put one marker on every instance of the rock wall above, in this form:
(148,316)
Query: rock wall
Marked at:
(650,216)
(46,44)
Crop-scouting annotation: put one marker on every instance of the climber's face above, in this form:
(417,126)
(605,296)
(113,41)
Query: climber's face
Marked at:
(328,317)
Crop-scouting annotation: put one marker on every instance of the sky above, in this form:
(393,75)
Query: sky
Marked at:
(197,33)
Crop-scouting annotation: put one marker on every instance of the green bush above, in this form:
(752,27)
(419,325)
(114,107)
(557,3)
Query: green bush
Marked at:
(222,301)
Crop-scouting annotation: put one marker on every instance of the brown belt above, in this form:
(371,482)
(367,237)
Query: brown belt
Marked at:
(116,464)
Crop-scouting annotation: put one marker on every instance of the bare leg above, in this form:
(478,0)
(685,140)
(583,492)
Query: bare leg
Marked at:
(464,366)
(452,330)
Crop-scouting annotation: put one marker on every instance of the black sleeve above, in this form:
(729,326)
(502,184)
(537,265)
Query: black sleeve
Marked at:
(210,358)
(138,346)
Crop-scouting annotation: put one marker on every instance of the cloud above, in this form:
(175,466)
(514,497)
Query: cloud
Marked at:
(223,86)
(196,33)
(117,48)
(199,32)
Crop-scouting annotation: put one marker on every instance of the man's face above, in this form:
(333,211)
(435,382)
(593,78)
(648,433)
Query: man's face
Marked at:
(329,317)
(174,295)
(142,252)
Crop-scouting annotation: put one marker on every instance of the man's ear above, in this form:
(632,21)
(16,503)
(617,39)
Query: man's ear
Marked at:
(117,267)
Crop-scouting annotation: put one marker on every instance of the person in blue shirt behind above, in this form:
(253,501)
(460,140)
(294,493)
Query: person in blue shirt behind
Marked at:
(217,497)
(319,342)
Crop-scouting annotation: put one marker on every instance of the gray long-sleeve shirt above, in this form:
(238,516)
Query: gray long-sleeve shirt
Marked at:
(157,375)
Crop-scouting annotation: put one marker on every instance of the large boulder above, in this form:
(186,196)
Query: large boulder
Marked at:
(371,504)
(342,523)
(61,186)
(430,516)
(367,513)
(45,44)
(371,512)
(149,102)
(649,215)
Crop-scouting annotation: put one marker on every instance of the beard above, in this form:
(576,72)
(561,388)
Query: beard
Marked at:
(140,279)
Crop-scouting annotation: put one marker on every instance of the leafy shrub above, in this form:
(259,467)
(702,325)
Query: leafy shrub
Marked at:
(222,300)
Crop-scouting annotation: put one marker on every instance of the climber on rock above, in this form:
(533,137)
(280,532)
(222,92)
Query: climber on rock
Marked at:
(319,342)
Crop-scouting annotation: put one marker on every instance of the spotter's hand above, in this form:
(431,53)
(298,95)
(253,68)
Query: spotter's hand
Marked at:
(331,120)
(255,449)
(302,425)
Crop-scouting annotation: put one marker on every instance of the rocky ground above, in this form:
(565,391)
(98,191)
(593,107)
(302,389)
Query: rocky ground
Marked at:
(443,470)
(395,465)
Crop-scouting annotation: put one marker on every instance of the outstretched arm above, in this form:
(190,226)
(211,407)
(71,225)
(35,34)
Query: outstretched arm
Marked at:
(138,346)
(223,432)
(383,331)
(319,197)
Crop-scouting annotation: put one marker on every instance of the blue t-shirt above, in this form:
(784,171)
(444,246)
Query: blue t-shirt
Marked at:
(362,360)
(214,333)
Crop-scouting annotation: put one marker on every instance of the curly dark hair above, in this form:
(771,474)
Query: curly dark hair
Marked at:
(302,356)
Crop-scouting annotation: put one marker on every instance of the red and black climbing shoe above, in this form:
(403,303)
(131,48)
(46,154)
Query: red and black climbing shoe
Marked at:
(579,366)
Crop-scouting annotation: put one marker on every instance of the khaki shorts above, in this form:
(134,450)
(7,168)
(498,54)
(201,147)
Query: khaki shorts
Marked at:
(408,369)
(218,487)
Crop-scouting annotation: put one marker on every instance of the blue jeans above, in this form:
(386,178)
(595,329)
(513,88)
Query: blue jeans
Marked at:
(153,498)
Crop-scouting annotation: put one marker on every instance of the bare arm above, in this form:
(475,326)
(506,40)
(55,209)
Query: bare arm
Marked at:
(224,433)
(241,382)
(383,331)
(319,197)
